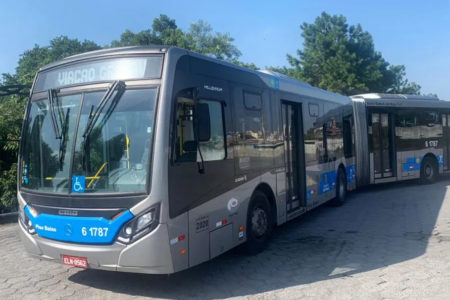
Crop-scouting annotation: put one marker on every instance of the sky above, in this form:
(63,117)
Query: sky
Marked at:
(413,33)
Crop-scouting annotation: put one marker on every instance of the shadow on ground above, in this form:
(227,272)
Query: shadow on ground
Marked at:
(377,227)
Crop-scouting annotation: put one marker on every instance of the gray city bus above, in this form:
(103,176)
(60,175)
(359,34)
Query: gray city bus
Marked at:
(157,159)
(400,137)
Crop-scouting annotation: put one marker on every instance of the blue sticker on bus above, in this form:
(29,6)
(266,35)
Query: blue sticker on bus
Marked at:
(88,230)
(327,182)
(412,164)
(78,184)
(351,173)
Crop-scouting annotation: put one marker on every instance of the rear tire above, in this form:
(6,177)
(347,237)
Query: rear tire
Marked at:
(341,189)
(259,223)
(428,170)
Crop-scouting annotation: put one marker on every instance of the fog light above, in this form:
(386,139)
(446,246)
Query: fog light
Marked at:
(128,230)
(29,223)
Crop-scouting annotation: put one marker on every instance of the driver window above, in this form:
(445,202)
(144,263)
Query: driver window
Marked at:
(186,147)
(185,144)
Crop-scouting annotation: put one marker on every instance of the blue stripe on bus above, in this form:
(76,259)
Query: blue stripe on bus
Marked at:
(89,230)
(412,164)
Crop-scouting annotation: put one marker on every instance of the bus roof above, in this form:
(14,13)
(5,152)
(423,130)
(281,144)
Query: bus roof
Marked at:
(294,86)
(272,79)
(401,100)
(395,96)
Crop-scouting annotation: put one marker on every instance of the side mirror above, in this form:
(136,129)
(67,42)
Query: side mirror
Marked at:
(203,122)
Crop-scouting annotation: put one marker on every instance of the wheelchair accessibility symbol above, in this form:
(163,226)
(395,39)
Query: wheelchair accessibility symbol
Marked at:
(78,184)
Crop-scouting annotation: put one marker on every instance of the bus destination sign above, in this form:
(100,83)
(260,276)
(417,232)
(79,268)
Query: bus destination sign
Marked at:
(101,70)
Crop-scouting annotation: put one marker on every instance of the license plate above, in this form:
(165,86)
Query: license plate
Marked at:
(79,262)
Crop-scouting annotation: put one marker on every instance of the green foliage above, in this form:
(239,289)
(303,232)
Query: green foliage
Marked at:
(199,38)
(401,85)
(342,58)
(12,108)
(8,192)
(59,48)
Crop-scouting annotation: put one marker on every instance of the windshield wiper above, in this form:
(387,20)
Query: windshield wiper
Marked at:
(93,116)
(63,142)
(51,95)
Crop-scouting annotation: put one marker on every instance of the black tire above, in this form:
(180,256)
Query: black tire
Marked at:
(341,188)
(428,170)
(259,223)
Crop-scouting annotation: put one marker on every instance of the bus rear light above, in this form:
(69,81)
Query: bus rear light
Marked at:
(183,251)
(139,225)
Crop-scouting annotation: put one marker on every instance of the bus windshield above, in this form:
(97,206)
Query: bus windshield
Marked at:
(72,146)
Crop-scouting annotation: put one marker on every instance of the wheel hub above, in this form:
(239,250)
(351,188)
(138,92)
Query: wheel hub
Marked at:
(428,171)
(259,222)
(341,189)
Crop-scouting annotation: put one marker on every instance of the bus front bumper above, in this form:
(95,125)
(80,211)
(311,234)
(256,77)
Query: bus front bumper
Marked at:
(150,254)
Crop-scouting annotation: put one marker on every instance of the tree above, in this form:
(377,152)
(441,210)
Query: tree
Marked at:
(12,107)
(400,84)
(342,59)
(199,38)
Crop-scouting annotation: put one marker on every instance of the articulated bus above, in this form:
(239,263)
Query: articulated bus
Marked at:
(154,160)
(400,137)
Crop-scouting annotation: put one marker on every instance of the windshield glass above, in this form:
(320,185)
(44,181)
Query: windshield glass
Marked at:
(111,157)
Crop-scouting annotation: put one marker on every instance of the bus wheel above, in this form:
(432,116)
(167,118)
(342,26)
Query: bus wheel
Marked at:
(259,223)
(428,170)
(341,189)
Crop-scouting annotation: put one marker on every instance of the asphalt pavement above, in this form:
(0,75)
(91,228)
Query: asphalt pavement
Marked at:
(385,242)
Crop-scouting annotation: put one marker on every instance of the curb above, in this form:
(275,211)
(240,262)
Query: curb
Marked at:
(8,217)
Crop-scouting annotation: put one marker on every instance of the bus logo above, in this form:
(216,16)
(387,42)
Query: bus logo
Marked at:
(68,230)
(67,212)
(233,205)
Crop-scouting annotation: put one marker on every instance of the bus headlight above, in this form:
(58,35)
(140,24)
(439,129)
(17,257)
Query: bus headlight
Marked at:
(139,225)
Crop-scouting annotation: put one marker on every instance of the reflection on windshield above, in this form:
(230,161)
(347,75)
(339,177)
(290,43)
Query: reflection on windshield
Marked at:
(113,157)
(46,160)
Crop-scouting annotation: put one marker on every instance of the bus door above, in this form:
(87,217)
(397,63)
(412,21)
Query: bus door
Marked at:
(294,155)
(446,139)
(382,145)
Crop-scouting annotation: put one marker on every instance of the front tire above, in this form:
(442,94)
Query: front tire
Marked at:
(259,223)
(428,170)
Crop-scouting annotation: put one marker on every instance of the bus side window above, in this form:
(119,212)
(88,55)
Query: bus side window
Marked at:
(214,149)
(186,146)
